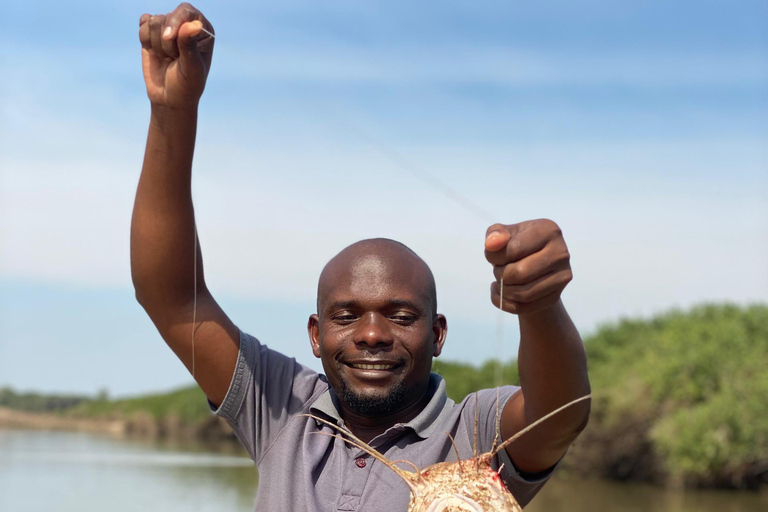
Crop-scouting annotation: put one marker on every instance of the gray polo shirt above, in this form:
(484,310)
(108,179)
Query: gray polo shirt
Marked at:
(302,471)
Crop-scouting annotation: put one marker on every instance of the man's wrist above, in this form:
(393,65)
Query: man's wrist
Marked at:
(174,124)
(543,316)
(163,114)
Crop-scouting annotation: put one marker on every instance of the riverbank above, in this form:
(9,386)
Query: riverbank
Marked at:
(140,424)
(15,419)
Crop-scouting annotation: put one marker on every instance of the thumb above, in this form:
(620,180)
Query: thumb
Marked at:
(190,60)
(496,238)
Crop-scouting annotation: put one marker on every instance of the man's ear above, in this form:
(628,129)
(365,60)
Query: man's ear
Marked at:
(313,329)
(440,330)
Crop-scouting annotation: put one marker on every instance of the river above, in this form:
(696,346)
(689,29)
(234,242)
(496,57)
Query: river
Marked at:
(68,471)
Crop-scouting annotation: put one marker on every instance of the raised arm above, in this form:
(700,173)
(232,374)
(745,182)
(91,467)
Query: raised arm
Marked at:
(176,56)
(534,262)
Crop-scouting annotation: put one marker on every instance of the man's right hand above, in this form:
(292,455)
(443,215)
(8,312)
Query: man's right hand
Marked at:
(176,56)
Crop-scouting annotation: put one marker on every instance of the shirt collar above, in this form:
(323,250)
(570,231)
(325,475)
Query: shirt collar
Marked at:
(424,424)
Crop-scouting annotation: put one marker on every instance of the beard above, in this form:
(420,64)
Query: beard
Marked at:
(374,406)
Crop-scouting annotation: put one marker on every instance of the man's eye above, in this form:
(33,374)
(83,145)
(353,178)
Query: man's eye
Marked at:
(344,318)
(404,319)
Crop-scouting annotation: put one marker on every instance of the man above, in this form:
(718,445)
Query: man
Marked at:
(376,330)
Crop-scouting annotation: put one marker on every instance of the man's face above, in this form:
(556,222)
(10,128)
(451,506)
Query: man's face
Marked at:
(376,332)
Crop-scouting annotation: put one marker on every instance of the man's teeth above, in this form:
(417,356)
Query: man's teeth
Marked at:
(372,366)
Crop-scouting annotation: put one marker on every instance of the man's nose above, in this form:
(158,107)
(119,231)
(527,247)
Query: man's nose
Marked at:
(374,331)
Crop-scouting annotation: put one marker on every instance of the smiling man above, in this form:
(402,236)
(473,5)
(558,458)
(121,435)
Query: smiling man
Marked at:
(376,331)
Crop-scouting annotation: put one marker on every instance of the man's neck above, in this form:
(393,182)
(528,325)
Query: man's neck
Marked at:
(367,428)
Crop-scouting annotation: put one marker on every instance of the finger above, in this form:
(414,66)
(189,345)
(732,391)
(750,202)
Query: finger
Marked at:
(551,258)
(519,308)
(156,24)
(524,239)
(184,13)
(541,287)
(168,40)
(190,60)
(146,42)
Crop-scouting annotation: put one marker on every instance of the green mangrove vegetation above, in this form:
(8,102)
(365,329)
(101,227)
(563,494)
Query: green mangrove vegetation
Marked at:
(681,398)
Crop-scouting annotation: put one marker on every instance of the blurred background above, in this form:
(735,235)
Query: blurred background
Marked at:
(640,127)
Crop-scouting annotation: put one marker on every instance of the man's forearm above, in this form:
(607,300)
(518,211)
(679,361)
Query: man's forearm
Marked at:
(163,223)
(553,369)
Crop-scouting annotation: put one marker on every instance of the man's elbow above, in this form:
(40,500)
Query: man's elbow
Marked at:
(140,291)
(140,297)
(576,424)
(566,427)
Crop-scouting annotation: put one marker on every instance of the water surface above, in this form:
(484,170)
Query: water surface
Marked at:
(69,471)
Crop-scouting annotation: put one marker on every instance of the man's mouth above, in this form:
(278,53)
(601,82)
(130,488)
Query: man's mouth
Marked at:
(370,366)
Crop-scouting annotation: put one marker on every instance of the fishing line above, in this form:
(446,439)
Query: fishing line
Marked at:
(194,294)
(500,334)
(467,204)
(434,183)
(498,377)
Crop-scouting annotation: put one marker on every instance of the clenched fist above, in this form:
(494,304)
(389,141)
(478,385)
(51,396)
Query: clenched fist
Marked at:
(534,261)
(176,56)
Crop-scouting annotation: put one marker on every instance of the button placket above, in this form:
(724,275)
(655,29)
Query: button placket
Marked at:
(357,470)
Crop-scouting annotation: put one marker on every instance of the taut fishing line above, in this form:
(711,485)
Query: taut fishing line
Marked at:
(479,211)
(467,204)
(194,296)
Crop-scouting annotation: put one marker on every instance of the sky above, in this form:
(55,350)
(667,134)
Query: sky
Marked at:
(641,128)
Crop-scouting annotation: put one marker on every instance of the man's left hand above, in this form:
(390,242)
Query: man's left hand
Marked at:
(534,260)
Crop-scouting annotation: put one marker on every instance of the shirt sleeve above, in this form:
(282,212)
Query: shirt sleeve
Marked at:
(266,391)
(522,487)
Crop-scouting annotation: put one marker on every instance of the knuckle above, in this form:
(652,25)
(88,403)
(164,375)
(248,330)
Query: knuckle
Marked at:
(561,259)
(551,227)
(187,11)
(515,273)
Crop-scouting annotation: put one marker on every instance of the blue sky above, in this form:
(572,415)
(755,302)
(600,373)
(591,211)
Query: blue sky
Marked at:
(640,127)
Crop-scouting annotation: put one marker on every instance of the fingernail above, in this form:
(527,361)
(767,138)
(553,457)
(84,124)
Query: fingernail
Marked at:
(167,32)
(493,234)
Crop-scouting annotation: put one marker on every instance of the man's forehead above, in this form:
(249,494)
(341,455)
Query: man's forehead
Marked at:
(369,257)
(366,273)
(375,266)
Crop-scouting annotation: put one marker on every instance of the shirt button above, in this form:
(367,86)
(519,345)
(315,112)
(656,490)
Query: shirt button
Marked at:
(360,462)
